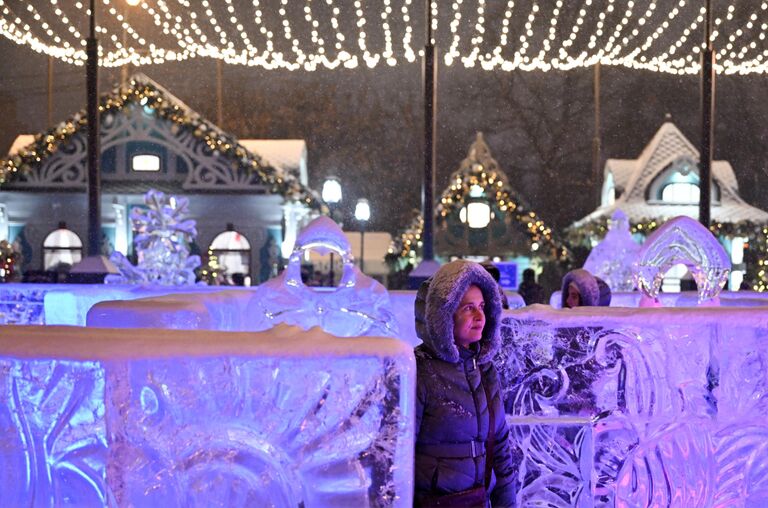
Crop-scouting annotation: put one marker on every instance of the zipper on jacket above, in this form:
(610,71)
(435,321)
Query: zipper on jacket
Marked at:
(481,388)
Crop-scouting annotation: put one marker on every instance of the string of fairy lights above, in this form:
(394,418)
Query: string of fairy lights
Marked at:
(655,35)
(154,101)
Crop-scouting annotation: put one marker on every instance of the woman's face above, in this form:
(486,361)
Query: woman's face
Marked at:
(469,318)
(574,297)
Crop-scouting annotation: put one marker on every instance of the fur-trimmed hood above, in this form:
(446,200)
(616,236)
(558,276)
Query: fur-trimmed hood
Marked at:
(586,284)
(446,289)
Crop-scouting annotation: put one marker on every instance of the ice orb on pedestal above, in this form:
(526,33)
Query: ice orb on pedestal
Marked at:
(358,306)
(682,240)
(612,258)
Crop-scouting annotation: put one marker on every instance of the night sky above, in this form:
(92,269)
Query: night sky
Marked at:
(365,125)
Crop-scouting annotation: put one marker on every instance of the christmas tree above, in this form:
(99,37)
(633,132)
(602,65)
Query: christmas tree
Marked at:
(164,234)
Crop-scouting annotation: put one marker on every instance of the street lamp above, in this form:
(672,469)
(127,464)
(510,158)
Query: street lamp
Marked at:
(332,195)
(362,214)
(332,190)
(477,213)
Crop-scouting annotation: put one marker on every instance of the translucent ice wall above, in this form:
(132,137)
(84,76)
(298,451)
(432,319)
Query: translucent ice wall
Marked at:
(94,417)
(638,407)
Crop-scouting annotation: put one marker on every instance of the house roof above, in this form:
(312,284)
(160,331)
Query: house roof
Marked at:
(632,177)
(289,155)
(27,153)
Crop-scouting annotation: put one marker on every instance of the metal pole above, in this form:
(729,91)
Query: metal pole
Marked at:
(49,118)
(707,123)
(596,156)
(219,108)
(362,246)
(124,67)
(430,137)
(94,197)
(331,273)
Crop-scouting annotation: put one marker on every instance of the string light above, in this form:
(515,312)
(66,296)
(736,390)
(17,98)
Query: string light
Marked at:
(310,34)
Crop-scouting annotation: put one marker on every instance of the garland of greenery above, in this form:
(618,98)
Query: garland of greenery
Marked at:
(149,96)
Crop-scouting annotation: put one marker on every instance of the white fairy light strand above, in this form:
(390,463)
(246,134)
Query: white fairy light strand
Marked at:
(642,35)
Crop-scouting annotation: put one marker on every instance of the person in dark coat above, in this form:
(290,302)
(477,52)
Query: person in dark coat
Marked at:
(580,289)
(604,300)
(529,289)
(457,317)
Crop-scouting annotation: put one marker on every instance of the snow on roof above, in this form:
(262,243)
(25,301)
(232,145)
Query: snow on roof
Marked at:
(286,154)
(633,176)
(21,141)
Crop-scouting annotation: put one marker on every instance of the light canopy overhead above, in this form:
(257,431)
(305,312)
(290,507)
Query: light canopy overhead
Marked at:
(656,35)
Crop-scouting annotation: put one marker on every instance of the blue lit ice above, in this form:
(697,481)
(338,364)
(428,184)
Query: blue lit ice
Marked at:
(607,406)
(682,240)
(612,259)
(358,306)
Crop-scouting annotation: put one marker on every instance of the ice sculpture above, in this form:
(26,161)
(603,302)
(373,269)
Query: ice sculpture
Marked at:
(648,408)
(682,240)
(162,244)
(22,304)
(612,258)
(287,418)
(358,306)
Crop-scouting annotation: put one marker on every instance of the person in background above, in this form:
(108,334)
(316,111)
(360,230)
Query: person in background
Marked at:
(494,271)
(579,289)
(604,300)
(529,289)
(463,454)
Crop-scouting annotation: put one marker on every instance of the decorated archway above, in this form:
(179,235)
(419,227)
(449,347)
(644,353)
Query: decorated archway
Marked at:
(480,214)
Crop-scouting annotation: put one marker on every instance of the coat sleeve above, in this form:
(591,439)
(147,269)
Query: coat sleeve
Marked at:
(505,464)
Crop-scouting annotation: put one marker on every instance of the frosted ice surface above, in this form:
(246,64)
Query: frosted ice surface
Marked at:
(21,304)
(359,306)
(647,408)
(53,444)
(613,257)
(163,418)
(682,240)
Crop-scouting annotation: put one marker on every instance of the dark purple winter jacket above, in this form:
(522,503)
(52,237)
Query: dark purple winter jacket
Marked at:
(452,418)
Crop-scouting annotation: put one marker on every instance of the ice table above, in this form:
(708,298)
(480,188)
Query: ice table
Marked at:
(96,417)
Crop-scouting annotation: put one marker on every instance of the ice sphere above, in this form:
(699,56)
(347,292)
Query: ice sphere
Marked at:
(358,306)
(288,418)
(682,240)
(613,257)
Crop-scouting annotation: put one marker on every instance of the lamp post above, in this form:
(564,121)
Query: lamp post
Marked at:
(707,121)
(92,98)
(362,214)
(332,195)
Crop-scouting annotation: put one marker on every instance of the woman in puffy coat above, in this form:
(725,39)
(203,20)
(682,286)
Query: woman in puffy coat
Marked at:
(458,321)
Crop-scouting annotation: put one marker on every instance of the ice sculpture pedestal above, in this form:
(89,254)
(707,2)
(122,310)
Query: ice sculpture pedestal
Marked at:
(96,417)
(638,407)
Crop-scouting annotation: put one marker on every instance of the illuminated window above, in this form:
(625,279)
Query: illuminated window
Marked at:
(680,193)
(233,251)
(62,246)
(145,162)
